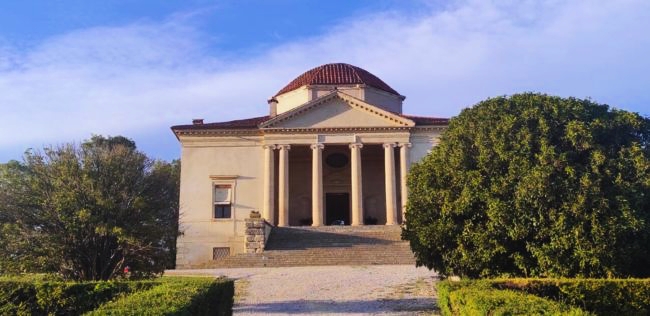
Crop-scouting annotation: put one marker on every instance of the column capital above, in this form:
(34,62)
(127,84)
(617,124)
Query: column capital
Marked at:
(407,145)
(317,146)
(271,147)
(356,145)
(283,147)
(389,145)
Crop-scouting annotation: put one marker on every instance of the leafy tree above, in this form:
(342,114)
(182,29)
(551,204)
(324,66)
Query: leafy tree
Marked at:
(89,211)
(165,184)
(534,185)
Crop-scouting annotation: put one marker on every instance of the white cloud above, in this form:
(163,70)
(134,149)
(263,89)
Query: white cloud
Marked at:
(141,78)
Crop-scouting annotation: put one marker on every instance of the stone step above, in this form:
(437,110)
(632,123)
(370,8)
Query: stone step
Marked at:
(328,245)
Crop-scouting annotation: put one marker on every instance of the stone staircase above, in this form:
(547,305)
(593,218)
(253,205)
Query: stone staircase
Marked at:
(329,245)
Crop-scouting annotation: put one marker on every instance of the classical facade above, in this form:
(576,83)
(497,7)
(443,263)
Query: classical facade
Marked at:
(334,149)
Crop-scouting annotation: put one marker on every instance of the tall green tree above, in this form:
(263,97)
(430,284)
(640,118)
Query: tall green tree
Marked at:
(534,185)
(89,211)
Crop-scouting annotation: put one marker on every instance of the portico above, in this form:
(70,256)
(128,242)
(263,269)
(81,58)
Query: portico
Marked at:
(292,214)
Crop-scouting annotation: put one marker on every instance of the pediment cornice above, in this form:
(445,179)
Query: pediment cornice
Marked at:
(391,118)
(299,130)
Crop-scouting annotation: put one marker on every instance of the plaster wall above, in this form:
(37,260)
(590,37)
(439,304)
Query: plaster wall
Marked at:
(238,164)
(422,142)
(382,99)
(292,99)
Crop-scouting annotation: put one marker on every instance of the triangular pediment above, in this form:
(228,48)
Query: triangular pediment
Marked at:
(337,110)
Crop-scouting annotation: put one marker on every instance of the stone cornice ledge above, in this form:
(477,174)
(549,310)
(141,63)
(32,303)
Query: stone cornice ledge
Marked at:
(333,129)
(304,130)
(430,128)
(212,132)
(224,177)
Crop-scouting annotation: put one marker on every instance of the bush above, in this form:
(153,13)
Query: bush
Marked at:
(176,296)
(480,298)
(600,296)
(34,296)
(534,185)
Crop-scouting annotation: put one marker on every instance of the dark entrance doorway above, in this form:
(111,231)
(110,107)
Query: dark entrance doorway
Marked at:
(337,208)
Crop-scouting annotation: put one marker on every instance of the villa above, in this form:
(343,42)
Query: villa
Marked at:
(334,149)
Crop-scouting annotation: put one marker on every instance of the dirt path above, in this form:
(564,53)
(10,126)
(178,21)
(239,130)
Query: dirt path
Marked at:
(333,290)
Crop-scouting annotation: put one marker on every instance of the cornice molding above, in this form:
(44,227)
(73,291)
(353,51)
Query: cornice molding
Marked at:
(304,130)
(432,128)
(334,130)
(219,132)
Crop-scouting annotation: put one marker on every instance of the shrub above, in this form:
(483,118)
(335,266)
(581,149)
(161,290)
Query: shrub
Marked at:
(600,296)
(176,296)
(534,185)
(31,296)
(480,298)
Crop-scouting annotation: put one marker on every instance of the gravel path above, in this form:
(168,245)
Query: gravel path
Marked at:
(331,290)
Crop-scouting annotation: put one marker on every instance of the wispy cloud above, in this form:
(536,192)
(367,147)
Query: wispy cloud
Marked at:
(139,79)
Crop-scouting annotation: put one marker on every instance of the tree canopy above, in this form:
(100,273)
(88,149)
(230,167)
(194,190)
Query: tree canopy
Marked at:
(534,185)
(88,211)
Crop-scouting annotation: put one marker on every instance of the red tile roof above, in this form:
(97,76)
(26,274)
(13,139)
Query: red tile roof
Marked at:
(333,74)
(248,123)
(426,120)
(252,123)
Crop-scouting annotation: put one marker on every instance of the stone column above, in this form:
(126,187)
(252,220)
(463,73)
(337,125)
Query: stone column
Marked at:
(283,186)
(404,165)
(357,195)
(269,184)
(391,194)
(317,184)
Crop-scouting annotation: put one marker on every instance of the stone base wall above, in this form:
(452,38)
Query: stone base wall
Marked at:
(256,234)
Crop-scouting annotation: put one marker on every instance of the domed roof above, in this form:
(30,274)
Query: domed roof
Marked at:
(337,74)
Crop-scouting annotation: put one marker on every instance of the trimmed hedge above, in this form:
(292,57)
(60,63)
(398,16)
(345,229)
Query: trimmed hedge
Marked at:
(480,298)
(176,296)
(39,296)
(600,296)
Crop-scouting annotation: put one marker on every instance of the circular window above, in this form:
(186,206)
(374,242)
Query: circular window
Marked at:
(337,160)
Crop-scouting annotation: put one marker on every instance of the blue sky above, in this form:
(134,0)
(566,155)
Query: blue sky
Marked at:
(72,68)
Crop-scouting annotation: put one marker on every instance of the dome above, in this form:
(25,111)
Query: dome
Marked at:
(337,74)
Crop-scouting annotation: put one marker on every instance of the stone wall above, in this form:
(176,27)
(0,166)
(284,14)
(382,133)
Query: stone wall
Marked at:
(256,235)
